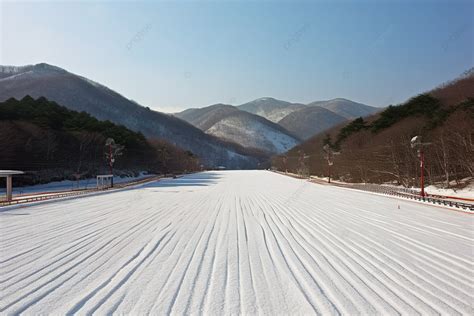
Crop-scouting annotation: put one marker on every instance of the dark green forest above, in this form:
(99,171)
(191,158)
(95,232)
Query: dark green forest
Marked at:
(52,143)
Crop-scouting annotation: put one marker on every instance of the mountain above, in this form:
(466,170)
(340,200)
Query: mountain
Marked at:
(205,118)
(305,121)
(271,109)
(457,90)
(310,121)
(378,148)
(81,94)
(302,121)
(244,128)
(346,108)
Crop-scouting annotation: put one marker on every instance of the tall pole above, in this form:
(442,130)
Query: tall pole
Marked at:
(422,178)
(110,166)
(329,172)
(416,142)
(9,188)
(329,155)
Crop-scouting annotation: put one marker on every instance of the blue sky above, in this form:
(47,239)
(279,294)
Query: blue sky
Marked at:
(175,55)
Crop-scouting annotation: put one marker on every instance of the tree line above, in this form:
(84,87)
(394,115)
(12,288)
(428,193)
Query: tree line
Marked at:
(377,149)
(53,143)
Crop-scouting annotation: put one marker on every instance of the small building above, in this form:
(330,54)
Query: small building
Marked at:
(105,181)
(9,175)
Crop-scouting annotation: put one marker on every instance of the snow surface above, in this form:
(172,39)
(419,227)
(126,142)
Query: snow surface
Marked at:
(236,242)
(69,185)
(466,192)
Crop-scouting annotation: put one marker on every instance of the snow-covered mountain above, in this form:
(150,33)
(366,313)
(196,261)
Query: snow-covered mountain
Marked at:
(244,128)
(318,116)
(300,120)
(307,120)
(310,121)
(205,118)
(270,108)
(81,94)
(346,108)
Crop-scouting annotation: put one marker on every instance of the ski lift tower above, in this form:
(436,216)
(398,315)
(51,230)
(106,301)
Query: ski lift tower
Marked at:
(8,174)
(417,144)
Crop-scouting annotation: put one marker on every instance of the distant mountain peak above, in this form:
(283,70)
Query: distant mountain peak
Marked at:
(43,67)
(241,127)
(48,67)
(265,99)
(221,105)
(340,99)
(346,108)
(270,108)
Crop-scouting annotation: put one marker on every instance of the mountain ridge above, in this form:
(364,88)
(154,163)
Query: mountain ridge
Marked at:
(270,108)
(310,121)
(299,120)
(247,129)
(346,108)
(81,94)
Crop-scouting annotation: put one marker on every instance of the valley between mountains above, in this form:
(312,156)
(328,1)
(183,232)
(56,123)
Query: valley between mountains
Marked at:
(235,137)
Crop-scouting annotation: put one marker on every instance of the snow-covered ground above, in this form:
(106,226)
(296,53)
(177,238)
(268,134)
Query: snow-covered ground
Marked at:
(466,192)
(69,185)
(236,242)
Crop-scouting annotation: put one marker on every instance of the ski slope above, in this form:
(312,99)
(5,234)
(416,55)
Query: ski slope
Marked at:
(251,242)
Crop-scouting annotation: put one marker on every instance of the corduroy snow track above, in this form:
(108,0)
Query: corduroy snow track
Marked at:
(249,242)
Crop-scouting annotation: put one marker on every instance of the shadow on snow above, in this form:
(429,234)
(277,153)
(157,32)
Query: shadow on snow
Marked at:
(200,179)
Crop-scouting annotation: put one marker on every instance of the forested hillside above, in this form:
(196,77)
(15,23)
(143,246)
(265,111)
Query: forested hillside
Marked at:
(52,142)
(377,149)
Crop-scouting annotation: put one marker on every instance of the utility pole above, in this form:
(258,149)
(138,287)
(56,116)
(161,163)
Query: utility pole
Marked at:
(113,151)
(329,171)
(416,143)
(422,171)
(329,157)
(111,162)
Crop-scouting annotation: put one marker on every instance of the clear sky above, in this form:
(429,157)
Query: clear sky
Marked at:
(175,55)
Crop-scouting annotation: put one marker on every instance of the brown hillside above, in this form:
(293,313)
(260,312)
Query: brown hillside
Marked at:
(377,149)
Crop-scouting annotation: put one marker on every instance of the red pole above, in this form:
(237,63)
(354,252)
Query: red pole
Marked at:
(422,165)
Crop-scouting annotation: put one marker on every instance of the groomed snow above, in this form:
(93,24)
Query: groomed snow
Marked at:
(236,242)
